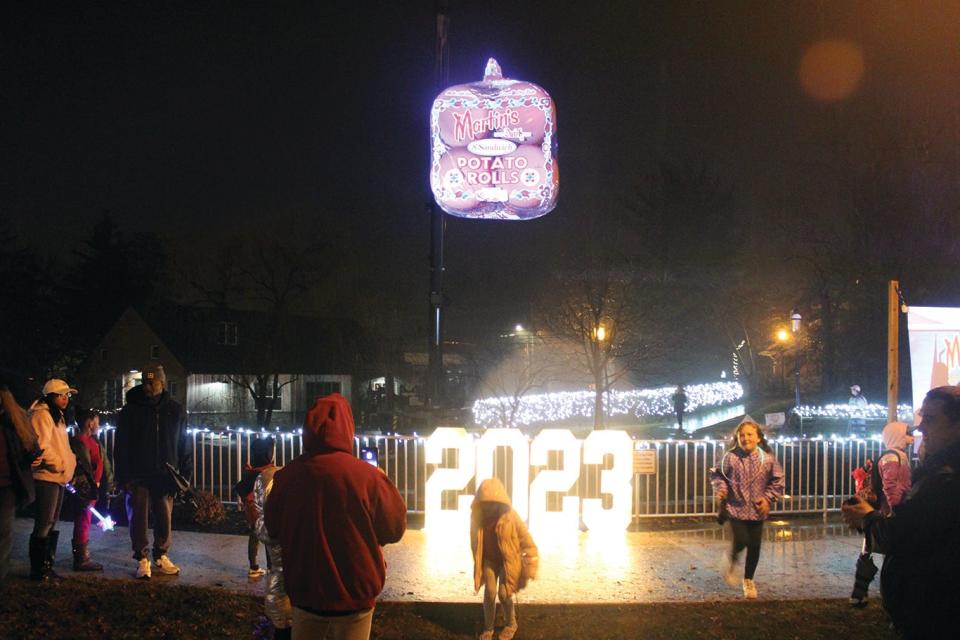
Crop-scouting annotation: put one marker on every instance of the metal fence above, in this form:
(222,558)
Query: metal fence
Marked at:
(817,470)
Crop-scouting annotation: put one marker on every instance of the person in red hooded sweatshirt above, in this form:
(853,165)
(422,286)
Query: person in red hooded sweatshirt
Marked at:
(331,513)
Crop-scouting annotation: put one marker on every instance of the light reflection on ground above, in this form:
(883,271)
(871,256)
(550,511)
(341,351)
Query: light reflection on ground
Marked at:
(805,561)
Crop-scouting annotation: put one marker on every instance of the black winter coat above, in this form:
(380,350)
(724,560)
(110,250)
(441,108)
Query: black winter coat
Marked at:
(151,432)
(18,462)
(920,580)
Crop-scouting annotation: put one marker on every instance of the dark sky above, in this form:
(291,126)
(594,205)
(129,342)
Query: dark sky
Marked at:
(192,119)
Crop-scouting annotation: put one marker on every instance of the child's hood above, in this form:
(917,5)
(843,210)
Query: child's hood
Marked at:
(895,435)
(492,490)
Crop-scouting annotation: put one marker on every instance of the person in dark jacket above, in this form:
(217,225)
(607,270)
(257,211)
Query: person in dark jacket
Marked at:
(331,513)
(920,579)
(679,405)
(18,448)
(151,433)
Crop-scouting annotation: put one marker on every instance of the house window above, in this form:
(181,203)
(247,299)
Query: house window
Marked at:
(274,403)
(154,352)
(113,393)
(227,333)
(174,386)
(103,355)
(319,389)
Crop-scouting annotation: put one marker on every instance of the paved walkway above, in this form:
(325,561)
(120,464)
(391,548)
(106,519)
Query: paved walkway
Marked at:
(797,561)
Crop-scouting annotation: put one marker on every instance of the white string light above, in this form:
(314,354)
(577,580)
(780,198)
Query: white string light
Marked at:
(872,411)
(639,403)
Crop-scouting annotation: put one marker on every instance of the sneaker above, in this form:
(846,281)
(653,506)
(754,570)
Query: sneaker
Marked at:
(487,635)
(143,569)
(508,632)
(255,572)
(858,603)
(164,565)
(749,589)
(728,569)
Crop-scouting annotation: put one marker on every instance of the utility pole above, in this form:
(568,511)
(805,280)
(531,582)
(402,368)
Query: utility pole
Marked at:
(893,348)
(435,374)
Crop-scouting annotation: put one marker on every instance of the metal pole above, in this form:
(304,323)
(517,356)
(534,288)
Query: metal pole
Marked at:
(893,348)
(437,224)
(796,376)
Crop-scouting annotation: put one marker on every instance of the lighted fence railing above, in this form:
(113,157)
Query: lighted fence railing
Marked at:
(674,482)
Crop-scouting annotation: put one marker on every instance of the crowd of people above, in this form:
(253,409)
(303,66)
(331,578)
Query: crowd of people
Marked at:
(324,517)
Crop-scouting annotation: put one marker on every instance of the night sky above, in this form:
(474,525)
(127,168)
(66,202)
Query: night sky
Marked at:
(194,119)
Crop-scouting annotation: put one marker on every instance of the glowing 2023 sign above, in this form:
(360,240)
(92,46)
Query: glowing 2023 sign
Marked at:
(475,461)
(493,149)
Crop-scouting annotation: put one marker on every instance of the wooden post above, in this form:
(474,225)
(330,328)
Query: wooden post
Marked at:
(893,348)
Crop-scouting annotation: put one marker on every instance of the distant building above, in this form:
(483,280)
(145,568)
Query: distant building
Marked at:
(206,352)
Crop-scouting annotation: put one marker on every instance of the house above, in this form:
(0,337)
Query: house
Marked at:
(217,359)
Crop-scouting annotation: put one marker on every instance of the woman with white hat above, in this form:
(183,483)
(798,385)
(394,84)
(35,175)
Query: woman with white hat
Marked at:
(51,472)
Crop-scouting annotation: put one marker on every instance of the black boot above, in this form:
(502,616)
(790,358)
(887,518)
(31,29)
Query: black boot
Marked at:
(50,556)
(866,570)
(82,561)
(38,552)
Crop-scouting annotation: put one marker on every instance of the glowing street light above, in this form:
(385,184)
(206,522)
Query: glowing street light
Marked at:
(783,335)
(601,333)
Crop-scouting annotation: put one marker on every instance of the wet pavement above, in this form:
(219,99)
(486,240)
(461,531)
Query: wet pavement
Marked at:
(798,560)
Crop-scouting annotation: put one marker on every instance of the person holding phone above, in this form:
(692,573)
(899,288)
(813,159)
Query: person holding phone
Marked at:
(331,514)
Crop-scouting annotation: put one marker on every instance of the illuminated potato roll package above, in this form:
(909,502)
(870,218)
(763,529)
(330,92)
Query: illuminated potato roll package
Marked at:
(493,149)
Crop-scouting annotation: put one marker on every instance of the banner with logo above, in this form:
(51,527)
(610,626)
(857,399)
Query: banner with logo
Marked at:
(934,350)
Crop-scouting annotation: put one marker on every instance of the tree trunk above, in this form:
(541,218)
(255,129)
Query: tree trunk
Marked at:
(598,417)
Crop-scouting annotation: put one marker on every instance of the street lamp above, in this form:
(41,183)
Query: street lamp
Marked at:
(795,319)
(601,354)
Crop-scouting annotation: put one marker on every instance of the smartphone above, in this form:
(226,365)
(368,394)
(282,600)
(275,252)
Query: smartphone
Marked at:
(369,455)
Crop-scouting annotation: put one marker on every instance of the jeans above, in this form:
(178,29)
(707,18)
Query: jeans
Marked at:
(48,504)
(140,500)
(491,576)
(253,549)
(749,534)
(8,509)
(310,626)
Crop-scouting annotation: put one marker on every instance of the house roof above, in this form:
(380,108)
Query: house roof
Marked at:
(288,343)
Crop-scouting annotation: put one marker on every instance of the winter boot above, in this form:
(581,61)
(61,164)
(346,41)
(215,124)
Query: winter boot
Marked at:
(50,556)
(82,561)
(38,552)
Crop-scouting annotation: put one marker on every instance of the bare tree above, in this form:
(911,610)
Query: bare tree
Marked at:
(512,366)
(610,313)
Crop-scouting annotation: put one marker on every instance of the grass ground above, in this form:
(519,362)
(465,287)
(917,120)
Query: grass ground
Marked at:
(90,608)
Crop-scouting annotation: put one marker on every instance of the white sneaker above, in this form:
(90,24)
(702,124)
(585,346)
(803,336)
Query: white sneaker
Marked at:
(256,573)
(143,569)
(164,565)
(749,589)
(728,569)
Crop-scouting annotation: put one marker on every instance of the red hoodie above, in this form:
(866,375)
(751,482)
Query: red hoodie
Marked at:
(331,513)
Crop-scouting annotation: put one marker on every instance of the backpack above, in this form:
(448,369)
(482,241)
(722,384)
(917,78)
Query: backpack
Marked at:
(875,495)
